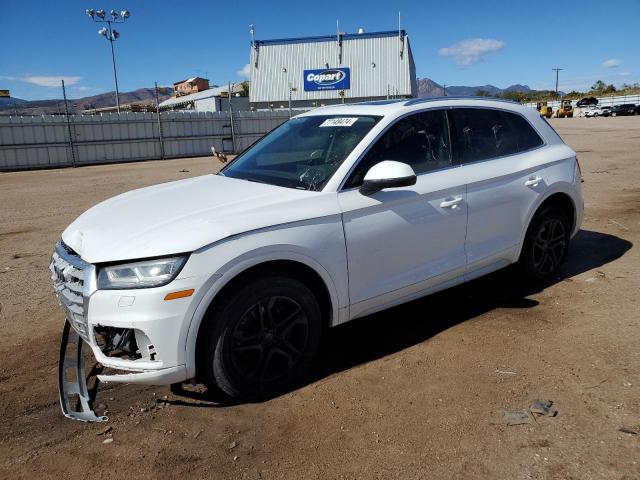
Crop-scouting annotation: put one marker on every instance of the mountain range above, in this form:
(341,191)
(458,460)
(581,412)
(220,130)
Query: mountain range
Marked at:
(429,88)
(44,107)
(426,88)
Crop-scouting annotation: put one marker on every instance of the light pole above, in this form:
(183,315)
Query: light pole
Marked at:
(111,34)
(284,70)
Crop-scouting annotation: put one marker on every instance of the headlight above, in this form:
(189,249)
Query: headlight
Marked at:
(144,274)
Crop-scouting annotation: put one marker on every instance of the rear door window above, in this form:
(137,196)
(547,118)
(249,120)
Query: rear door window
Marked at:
(482,134)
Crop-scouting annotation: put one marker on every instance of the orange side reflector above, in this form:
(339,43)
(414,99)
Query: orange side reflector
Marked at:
(180,294)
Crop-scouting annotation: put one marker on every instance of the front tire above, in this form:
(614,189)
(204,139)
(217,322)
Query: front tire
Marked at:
(545,245)
(261,338)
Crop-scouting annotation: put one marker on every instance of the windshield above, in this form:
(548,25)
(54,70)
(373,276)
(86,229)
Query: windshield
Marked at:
(302,153)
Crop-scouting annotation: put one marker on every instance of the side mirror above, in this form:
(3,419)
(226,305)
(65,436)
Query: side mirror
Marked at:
(387,174)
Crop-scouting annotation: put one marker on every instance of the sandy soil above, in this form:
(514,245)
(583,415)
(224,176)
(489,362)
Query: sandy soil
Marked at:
(418,391)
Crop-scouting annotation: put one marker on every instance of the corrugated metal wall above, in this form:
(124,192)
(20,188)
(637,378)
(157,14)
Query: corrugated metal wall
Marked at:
(270,83)
(43,142)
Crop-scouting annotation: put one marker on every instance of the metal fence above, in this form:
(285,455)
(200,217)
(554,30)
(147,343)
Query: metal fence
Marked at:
(608,100)
(51,141)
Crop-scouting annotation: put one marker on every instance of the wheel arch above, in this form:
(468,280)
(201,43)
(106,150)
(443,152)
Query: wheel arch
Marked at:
(557,197)
(300,266)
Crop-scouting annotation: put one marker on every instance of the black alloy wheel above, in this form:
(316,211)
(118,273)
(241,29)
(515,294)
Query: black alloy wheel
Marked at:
(546,244)
(549,246)
(268,341)
(260,338)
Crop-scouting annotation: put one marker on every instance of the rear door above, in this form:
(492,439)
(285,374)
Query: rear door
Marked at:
(401,241)
(496,151)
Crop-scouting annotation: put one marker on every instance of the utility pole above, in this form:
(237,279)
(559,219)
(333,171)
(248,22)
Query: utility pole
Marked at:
(444,89)
(233,130)
(557,70)
(66,115)
(160,136)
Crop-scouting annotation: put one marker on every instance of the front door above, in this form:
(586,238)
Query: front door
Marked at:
(402,241)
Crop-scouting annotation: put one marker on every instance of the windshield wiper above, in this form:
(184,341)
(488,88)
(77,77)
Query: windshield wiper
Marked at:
(255,180)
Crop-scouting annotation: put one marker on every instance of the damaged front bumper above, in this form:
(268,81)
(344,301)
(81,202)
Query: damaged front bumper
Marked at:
(75,397)
(72,379)
(135,332)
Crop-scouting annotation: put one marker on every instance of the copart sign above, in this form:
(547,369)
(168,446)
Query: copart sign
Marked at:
(327,79)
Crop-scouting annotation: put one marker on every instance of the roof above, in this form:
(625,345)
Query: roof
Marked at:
(331,38)
(212,92)
(415,101)
(397,106)
(189,80)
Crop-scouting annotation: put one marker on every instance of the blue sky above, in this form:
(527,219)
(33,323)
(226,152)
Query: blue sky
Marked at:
(455,42)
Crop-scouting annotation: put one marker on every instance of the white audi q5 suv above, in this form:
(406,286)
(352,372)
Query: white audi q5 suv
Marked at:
(340,212)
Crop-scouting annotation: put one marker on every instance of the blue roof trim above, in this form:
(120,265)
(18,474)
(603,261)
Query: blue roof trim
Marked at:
(331,38)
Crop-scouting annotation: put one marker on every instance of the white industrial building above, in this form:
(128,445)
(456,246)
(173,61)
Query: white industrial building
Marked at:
(212,100)
(315,71)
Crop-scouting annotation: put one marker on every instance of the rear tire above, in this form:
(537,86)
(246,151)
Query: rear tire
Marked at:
(260,339)
(545,245)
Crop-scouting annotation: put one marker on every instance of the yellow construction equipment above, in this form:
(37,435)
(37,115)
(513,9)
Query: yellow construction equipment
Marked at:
(544,109)
(565,110)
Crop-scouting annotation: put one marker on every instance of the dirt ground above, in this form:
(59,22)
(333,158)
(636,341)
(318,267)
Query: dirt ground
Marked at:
(418,391)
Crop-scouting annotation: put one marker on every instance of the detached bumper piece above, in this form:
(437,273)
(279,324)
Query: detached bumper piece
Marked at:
(74,393)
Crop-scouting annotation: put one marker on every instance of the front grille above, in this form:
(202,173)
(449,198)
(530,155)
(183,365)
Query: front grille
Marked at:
(68,276)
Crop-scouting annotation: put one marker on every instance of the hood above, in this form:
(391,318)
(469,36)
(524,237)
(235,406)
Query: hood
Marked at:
(185,215)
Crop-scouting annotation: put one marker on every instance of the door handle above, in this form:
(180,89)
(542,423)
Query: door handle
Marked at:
(451,203)
(533,182)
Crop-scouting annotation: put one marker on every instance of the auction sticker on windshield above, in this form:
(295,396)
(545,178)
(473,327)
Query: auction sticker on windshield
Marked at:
(339,122)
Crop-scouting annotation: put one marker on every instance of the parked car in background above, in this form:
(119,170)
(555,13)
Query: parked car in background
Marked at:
(587,101)
(623,109)
(597,111)
(340,212)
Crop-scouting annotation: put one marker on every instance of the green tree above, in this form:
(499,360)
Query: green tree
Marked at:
(245,89)
(598,87)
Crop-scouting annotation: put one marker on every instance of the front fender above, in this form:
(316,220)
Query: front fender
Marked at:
(319,247)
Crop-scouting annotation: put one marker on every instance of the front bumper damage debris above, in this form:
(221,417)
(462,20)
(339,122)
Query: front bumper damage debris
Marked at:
(75,400)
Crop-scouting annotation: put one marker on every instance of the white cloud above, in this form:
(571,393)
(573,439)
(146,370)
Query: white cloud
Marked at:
(244,72)
(41,81)
(611,63)
(54,81)
(625,74)
(472,50)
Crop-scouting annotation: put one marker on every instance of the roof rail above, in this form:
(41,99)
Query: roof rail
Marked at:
(417,101)
(379,102)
